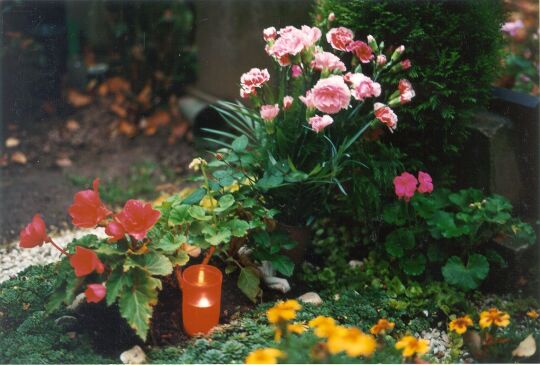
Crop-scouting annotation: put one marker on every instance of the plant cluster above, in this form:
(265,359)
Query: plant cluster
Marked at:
(298,142)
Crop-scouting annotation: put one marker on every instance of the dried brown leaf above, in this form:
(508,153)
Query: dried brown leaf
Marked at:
(19,157)
(12,142)
(78,99)
(526,348)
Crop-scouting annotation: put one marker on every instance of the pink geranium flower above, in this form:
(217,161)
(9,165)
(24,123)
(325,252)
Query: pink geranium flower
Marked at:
(252,80)
(426,183)
(386,115)
(363,87)
(330,95)
(287,102)
(339,38)
(406,92)
(269,112)
(361,50)
(318,123)
(405,186)
(327,61)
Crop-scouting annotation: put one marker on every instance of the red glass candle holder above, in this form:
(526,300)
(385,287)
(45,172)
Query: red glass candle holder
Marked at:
(201,298)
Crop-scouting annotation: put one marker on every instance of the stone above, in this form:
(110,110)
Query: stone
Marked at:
(77,302)
(135,355)
(311,297)
(356,264)
(65,321)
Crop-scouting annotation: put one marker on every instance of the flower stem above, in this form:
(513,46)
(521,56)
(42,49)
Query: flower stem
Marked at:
(208,255)
(49,239)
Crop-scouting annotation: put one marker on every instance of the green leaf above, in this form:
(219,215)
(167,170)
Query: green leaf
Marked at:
(152,262)
(56,299)
(226,201)
(240,144)
(466,277)
(398,241)
(414,265)
(222,235)
(395,214)
(283,264)
(136,307)
(195,197)
(248,283)
(180,258)
(179,215)
(116,284)
(169,242)
(198,213)
(239,227)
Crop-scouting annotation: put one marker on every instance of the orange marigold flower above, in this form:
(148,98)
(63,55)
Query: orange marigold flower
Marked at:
(411,345)
(493,316)
(324,326)
(351,340)
(459,325)
(533,314)
(283,311)
(297,328)
(264,356)
(382,326)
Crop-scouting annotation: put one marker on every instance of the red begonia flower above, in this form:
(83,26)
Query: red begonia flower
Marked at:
(95,293)
(87,209)
(85,261)
(34,234)
(137,218)
(405,186)
(426,183)
(115,231)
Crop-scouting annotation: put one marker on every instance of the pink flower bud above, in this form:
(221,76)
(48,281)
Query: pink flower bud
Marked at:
(269,34)
(296,71)
(406,64)
(331,17)
(287,102)
(381,60)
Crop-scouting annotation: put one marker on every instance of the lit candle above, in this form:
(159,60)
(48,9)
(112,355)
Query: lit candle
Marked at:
(201,298)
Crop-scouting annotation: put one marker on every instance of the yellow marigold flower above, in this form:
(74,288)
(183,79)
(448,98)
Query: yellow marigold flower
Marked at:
(297,328)
(411,345)
(493,316)
(283,311)
(264,356)
(533,314)
(459,325)
(382,326)
(196,163)
(208,203)
(351,340)
(323,325)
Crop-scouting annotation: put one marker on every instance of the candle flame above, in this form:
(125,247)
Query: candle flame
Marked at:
(203,302)
(201,277)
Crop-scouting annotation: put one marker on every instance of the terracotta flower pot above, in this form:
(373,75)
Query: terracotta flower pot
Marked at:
(302,236)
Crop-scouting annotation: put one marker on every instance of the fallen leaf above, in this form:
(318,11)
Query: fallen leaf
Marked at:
(12,142)
(19,157)
(64,162)
(72,125)
(103,89)
(144,96)
(78,99)
(156,120)
(119,110)
(127,128)
(25,306)
(526,348)
(118,84)
(178,131)
(474,343)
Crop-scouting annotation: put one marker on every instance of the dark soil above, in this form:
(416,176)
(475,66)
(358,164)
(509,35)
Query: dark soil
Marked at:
(94,149)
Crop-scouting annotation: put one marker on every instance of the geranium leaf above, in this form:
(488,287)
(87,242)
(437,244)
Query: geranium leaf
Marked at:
(116,284)
(195,197)
(248,283)
(239,227)
(151,262)
(179,215)
(136,307)
(414,265)
(198,213)
(283,264)
(466,277)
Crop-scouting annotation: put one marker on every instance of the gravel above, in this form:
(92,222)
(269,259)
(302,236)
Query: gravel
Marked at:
(14,259)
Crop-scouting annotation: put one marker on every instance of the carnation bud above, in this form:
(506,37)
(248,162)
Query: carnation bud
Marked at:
(397,53)
(405,64)
(381,60)
(269,34)
(219,156)
(331,17)
(372,43)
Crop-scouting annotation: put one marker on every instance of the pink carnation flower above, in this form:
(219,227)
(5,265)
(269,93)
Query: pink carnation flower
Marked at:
(426,184)
(363,87)
(290,42)
(269,34)
(339,38)
(405,186)
(308,100)
(318,123)
(269,112)
(296,71)
(311,35)
(330,95)
(406,92)
(386,115)
(512,28)
(361,50)
(328,61)
(252,80)
(287,102)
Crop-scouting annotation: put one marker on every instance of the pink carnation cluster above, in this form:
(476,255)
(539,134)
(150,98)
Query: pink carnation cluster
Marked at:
(290,41)
(252,80)
(362,86)
(405,185)
(386,115)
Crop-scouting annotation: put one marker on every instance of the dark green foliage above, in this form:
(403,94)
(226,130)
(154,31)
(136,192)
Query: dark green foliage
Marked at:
(28,335)
(454,47)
